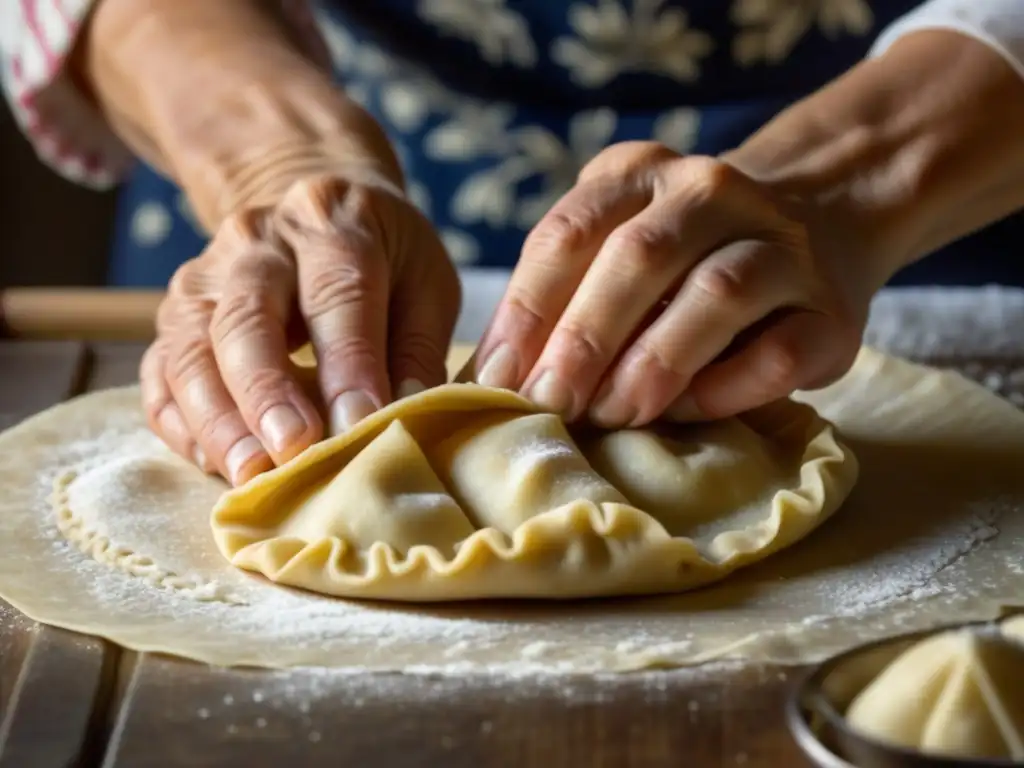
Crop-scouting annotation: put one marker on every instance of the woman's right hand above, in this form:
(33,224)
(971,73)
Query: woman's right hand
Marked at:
(312,236)
(346,263)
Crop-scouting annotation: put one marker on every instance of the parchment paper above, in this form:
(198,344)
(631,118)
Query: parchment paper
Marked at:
(934,532)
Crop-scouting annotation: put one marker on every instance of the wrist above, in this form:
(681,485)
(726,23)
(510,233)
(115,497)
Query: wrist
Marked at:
(904,153)
(219,97)
(265,136)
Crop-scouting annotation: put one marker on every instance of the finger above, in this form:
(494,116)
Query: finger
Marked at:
(343,294)
(162,413)
(423,314)
(638,264)
(801,350)
(248,331)
(196,386)
(723,295)
(555,257)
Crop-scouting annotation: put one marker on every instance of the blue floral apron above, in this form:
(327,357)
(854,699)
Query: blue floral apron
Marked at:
(494,105)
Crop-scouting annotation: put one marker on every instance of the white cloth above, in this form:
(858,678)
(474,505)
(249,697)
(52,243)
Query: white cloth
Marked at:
(921,323)
(997,23)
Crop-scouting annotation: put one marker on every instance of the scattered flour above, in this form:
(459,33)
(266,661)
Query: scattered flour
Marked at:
(948,322)
(509,639)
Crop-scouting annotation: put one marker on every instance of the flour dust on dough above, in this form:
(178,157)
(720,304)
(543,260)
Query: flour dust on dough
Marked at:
(123,550)
(954,694)
(467,492)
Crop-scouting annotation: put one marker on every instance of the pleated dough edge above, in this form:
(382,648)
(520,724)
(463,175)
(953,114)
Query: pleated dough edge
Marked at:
(611,549)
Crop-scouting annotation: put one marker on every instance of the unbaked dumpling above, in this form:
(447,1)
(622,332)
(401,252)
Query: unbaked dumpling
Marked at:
(467,492)
(955,694)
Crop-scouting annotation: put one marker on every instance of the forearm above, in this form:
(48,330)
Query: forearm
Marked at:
(216,94)
(907,152)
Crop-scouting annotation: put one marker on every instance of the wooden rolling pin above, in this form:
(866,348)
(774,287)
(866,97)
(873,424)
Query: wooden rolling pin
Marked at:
(94,314)
(99,314)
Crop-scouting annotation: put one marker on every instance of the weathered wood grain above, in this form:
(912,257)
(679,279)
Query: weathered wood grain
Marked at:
(52,682)
(181,714)
(35,375)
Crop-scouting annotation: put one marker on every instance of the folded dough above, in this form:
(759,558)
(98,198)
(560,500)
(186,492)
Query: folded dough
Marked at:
(468,492)
(955,694)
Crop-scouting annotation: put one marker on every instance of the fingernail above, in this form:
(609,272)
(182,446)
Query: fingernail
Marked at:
(684,408)
(500,369)
(281,425)
(551,393)
(241,454)
(610,410)
(410,387)
(348,409)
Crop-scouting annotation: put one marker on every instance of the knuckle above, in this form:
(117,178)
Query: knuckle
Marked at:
(212,427)
(262,388)
(238,315)
(317,187)
(627,156)
(416,349)
(316,205)
(340,285)
(643,249)
(243,227)
(193,286)
(190,358)
(186,280)
(340,357)
(524,311)
(269,276)
(576,342)
(705,177)
(559,235)
(722,283)
(654,359)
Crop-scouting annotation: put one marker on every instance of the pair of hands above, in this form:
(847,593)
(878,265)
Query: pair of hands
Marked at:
(660,284)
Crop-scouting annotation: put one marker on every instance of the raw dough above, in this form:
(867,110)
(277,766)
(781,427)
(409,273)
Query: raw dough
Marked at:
(466,492)
(930,534)
(955,694)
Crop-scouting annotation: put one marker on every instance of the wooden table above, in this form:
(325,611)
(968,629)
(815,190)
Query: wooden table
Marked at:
(73,700)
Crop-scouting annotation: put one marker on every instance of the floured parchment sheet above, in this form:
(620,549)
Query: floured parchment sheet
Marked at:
(123,549)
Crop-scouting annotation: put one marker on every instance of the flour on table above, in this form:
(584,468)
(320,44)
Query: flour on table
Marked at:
(931,322)
(929,535)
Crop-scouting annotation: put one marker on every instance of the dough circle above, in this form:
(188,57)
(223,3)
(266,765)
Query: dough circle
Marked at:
(467,492)
(123,550)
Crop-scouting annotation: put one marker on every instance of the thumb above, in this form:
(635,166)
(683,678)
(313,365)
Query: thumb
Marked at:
(424,308)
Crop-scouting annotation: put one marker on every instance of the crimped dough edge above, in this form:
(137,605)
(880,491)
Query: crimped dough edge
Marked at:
(581,549)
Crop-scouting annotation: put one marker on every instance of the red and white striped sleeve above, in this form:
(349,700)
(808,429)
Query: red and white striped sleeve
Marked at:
(67,131)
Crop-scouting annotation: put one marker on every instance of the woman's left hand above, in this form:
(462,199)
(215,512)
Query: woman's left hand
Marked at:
(677,285)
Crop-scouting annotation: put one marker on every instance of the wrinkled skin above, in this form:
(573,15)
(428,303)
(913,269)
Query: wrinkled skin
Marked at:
(352,267)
